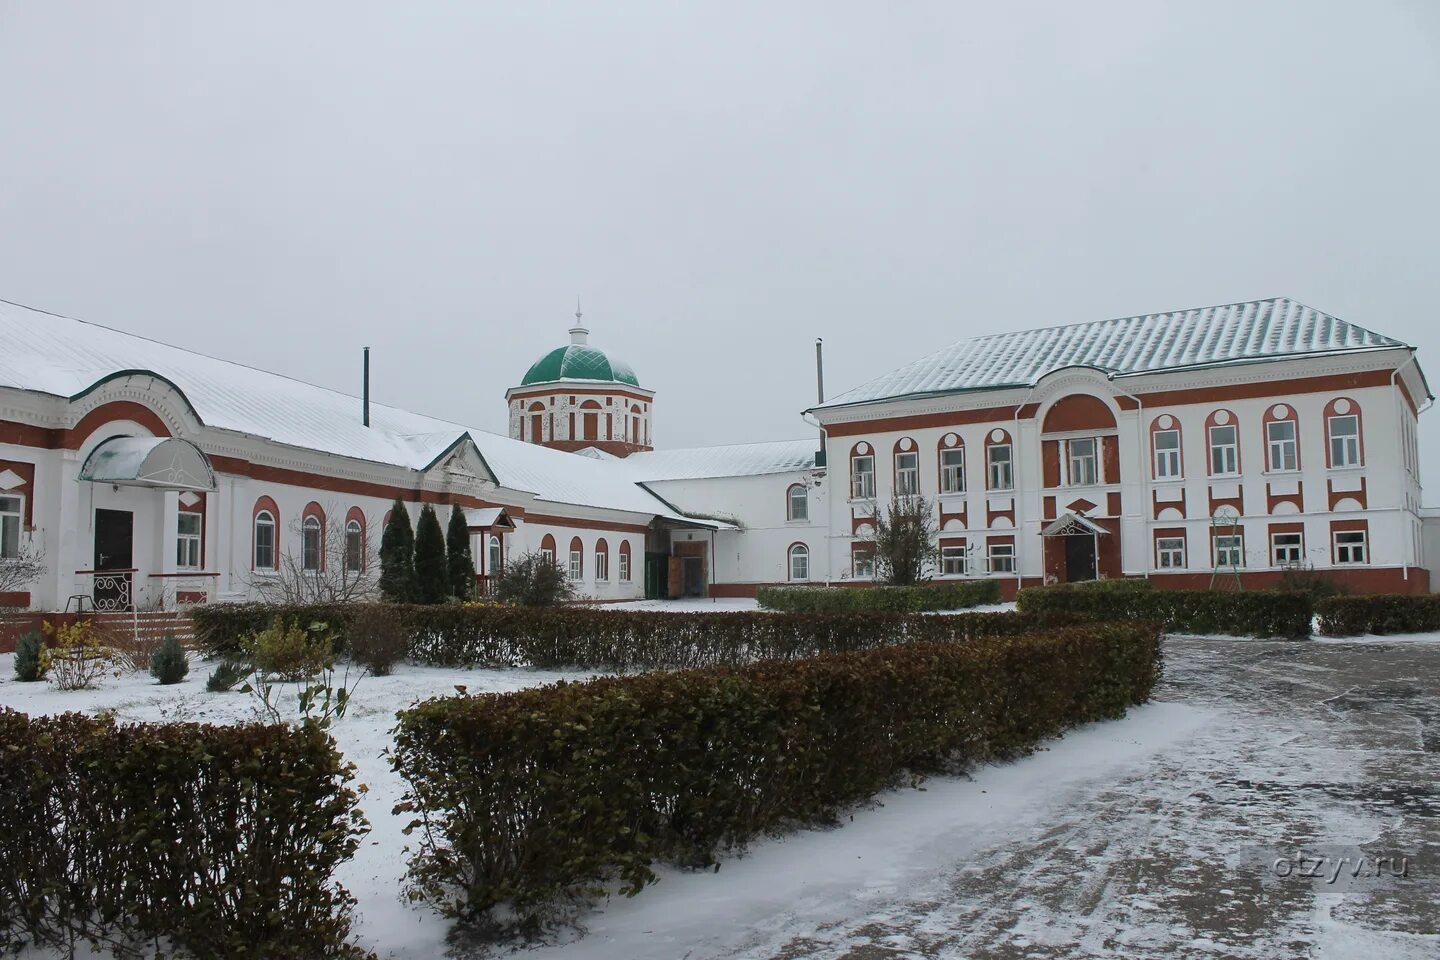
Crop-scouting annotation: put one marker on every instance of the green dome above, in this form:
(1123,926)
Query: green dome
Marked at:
(579,361)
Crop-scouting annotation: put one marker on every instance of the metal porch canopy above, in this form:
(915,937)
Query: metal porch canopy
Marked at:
(160,463)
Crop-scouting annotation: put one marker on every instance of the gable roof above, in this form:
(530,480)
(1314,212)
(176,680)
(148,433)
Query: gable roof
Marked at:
(1234,333)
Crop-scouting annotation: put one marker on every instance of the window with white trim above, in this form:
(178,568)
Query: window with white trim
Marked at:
(1345,441)
(310,544)
(1081,461)
(1351,546)
(952,560)
(1170,553)
(999,468)
(1287,549)
(1224,450)
(187,540)
(602,565)
(12,521)
(862,478)
(862,563)
(797,503)
(264,540)
(1001,557)
(1167,454)
(577,564)
(799,562)
(497,560)
(1229,550)
(624,566)
(354,546)
(952,470)
(907,474)
(1282,445)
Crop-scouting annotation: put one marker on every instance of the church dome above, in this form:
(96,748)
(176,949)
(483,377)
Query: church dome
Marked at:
(579,361)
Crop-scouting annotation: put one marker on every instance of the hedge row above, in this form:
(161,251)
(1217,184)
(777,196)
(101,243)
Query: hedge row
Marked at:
(219,839)
(525,800)
(1239,613)
(608,639)
(1385,613)
(958,595)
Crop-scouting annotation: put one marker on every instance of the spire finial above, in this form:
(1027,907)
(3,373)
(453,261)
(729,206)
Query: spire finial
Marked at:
(578,333)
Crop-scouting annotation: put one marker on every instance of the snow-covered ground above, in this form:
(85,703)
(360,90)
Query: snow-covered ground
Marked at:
(1155,835)
(730,604)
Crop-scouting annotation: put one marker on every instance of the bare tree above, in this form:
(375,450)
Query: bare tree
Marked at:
(19,572)
(905,541)
(321,564)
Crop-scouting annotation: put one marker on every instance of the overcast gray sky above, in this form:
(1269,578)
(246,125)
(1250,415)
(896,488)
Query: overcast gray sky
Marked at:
(282,183)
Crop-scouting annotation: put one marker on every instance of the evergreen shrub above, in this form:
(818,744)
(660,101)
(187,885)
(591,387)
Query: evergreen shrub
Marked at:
(169,663)
(950,595)
(1381,614)
(1258,613)
(29,665)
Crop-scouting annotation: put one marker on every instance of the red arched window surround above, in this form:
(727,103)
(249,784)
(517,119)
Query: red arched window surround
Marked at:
(1166,462)
(1344,408)
(266,505)
(313,509)
(1276,457)
(577,559)
(905,467)
(862,471)
(547,546)
(602,559)
(1222,445)
(356,515)
(999,464)
(626,574)
(950,478)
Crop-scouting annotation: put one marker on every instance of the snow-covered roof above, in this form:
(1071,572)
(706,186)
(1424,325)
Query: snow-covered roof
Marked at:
(51,354)
(1234,333)
(731,460)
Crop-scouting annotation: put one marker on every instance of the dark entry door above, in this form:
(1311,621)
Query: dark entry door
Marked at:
(114,551)
(694,577)
(1079,558)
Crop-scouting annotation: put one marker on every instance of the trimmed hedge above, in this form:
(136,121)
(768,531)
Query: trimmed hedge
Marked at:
(526,800)
(1382,613)
(957,595)
(220,840)
(610,639)
(1255,613)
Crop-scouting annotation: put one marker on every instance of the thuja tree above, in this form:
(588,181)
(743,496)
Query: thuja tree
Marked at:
(458,556)
(397,556)
(432,582)
(905,540)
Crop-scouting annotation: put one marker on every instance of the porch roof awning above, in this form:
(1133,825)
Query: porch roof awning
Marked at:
(476,517)
(161,463)
(1071,524)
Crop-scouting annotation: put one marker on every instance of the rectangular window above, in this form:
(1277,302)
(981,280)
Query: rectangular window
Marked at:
(577,564)
(907,474)
(1345,441)
(952,470)
(1287,549)
(1229,551)
(1351,547)
(1280,435)
(1082,462)
(862,478)
(1167,454)
(624,568)
(1224,451)
(952,560)
(862,563)
(1002,557)
(797,503)
(187,541)
(12,513)
(602,565)
(999,468)
(549,556)
(1170,553)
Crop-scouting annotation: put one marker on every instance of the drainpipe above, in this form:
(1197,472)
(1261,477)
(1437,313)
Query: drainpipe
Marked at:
(1141,432)
(829,526)
(1019,527)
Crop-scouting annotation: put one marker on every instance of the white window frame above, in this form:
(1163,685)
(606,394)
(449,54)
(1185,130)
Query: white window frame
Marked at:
(1004,552)
(1231,541)
(624,566)
(1170,553)
(1082,469)
(310,526)
(266,519)
(1283,452)
(1345,448)
(952,470)
(354,538)
(12,525)
(862,564)
(548,554)
(1354,550)
(602,565)
(799,552)
(862,479)
(1167,459)
(1229,449)
(1291,553)
(997,470)
(577,564)
(797,496)
(954,560)
(187,545)
(495,555)
(907,473)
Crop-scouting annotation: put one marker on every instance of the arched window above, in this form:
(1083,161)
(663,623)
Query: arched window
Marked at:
(577,559)
(797,503)
(1343,447)
(602,560)
(547,548)
(1222,437)
(1282,438)
(311,537)
(862,472)
(952,464)
(999,461)
(537,423)
(265,541)
(799,562)
(634,423)
(1166,462)
(354,547)
(497,556)
(907,468)
(590,414)
(624,561)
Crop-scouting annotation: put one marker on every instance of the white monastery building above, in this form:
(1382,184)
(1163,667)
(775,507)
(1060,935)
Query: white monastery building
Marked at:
(1213,445)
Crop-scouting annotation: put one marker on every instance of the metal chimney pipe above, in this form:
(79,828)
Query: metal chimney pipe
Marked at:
(820,369)
(365,410)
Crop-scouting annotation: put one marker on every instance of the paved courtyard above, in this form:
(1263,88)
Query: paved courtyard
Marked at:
(1277,760)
